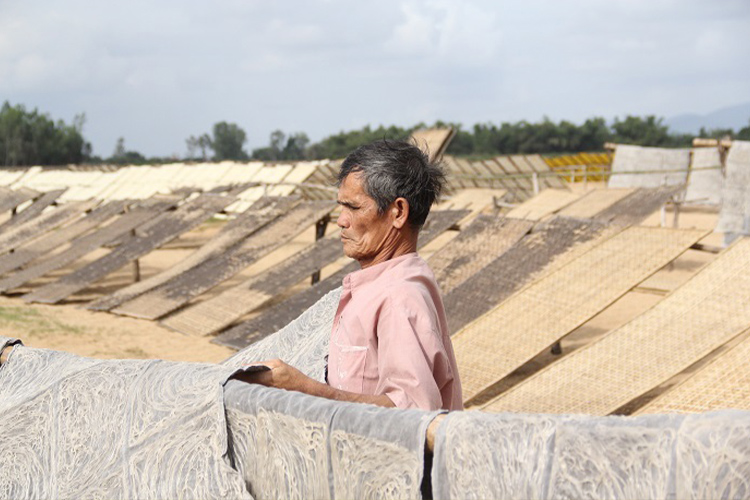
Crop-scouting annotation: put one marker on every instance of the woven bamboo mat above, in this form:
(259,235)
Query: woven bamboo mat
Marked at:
(239,228)
(461,173)
(183,287)
(85,244)
(534,318)
(475,199)
(697,318)
(172,224)
(10,199)
(433,141)
(38,226)
(638,205)
(594,202)
(33,210)
(548,248)
(498,179)
(34,249)
(547,180)
(722,384)
(481,242)
(545,203)
(524,185)
(216,313)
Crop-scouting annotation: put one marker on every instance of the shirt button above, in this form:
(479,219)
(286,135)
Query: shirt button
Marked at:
(343,374)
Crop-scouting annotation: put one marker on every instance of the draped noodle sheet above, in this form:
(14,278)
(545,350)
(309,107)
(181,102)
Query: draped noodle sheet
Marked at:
(303,343)
(75,427)
(480,455)
(295,446)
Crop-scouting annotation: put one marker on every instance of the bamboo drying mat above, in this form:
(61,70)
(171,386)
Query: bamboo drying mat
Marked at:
(475,199)
(83,245)
(216,313)
(33,210)
(238,229)
(697,318)
(495,344)
(433,141)
(57,239)
(172,224)
(594,202)
(184,287)
(10,199)
(549,247)
(36,227)
(722,384)
(549,178)
(545,203)
(485,239)
(638,205)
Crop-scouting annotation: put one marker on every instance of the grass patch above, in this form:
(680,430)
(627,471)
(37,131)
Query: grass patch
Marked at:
(22,321)
(19,314)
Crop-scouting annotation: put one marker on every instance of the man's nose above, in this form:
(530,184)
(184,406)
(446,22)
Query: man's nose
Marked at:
(342,221)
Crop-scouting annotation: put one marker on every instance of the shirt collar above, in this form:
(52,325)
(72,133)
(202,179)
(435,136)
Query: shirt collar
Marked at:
(369,275)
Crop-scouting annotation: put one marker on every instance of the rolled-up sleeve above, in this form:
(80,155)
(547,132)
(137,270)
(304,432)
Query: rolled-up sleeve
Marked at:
(410,353)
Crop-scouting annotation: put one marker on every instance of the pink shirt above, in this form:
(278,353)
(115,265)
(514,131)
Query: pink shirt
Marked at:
(390,336)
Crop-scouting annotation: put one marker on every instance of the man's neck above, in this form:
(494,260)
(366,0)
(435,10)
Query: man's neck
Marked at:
(402,247)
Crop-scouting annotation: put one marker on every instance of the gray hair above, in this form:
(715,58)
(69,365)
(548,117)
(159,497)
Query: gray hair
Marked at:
(396,169)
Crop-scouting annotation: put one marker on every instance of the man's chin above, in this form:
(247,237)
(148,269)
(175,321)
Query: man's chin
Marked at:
(350,252)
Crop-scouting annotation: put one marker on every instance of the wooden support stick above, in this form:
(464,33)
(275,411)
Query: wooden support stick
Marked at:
(136,264)
(320,232)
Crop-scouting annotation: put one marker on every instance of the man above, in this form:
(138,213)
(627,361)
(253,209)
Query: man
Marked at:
(389,344)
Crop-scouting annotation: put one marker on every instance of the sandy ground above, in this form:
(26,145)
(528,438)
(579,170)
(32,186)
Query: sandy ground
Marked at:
(69,327)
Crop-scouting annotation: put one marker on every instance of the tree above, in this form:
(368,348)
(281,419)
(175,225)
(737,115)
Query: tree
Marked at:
(228,142)
(276,145)
(644,132)
(192,144)
(122,156)
(32,138)
(744,133)
(202,142)
(119,148)
(296,146)
(283,148)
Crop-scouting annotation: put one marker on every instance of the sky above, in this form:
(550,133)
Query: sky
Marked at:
(156,73)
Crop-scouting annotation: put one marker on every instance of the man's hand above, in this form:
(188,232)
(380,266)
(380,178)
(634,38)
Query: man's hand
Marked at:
(280,375)
(284,376)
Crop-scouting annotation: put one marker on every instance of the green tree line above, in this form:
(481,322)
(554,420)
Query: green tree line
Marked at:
(33,138)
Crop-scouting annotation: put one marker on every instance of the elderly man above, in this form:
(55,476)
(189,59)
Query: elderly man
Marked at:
(390,344)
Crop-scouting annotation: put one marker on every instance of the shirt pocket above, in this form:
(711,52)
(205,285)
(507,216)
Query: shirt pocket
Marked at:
(351,367)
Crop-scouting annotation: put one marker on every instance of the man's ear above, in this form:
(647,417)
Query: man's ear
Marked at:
(400,212)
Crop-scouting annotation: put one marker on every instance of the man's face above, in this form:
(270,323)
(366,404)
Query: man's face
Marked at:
(364,232)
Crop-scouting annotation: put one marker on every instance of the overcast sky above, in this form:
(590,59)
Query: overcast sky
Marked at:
(158,72)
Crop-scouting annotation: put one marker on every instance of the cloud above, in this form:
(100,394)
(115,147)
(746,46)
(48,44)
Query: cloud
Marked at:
(156,72)
(451,32)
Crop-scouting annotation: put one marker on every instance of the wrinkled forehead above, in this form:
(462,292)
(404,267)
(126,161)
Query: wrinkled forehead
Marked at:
(352,187)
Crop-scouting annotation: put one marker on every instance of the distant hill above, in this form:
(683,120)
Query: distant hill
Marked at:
(734,117)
